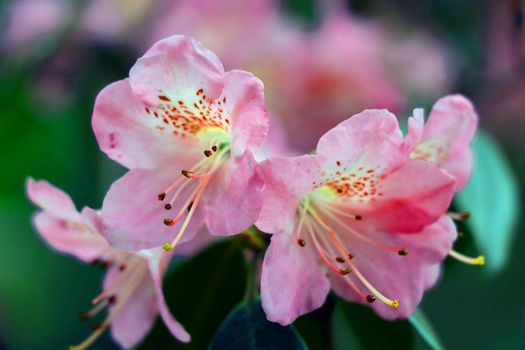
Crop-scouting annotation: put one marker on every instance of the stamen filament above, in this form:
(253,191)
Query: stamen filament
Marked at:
(201,188)
(479,261)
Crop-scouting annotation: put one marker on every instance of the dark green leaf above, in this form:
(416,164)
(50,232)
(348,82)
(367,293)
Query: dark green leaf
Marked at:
(425,329)
(200,293)
(492,198)
(358,327)
(247,328)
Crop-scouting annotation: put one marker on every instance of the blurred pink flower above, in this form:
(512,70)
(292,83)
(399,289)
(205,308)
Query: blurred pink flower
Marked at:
(132,290)
(314,79)
(187,130)
(355,209)
(445,138)
(31,20)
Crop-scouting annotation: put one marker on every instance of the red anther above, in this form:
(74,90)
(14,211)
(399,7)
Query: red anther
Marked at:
(301,242)
(370,298)
(187,173)
(214,148)
(358,217)
(208,153)
(403,252)
(339,259)
(161,196)
(169,222)
(167,206)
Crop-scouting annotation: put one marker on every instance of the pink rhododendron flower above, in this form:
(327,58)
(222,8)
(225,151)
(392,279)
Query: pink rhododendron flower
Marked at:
(360,217)
(132,290)
(187,130)
(445,138)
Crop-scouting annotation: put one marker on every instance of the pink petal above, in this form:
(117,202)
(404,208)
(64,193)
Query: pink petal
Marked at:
(130,135)
(415,130)
(371,138)
(414,196)
(74,238)
(136,317)
(292,282)
(286,180)
(245,104)
(398,277)
(173,325)
(233,199)
(447,134)
(176,67)
(133,216)
(52,200)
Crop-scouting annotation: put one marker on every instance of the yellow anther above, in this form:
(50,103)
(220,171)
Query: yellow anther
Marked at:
(394,304)
(480,260)
(167,246)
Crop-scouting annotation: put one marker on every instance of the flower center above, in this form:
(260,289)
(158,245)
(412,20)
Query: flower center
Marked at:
(198,177)
(132,271)
(322,222)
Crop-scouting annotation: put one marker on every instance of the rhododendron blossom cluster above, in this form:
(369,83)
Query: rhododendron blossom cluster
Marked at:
(365,215)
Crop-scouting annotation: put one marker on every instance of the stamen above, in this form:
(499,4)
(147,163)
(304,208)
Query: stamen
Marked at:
(340,259)
(403,252)
(214,148)
(370,298)
(346,227)
(167,206)
(161,196)
(208,153)
(301,242)
(459,216)
(199,191)
(344,271)
(479,261)
(187,173)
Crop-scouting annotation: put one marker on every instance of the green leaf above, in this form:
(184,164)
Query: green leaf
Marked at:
(247,328)
(492,199)
(200,293)
(356,326)
(425,329)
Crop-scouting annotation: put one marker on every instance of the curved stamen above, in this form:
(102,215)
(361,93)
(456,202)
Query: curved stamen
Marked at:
(479,260)
(169,246)
(128,288)
(399,250)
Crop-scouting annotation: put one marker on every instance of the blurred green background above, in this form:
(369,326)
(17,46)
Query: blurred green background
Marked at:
(47,90)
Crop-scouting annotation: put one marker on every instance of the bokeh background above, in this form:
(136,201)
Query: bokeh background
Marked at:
(321,61)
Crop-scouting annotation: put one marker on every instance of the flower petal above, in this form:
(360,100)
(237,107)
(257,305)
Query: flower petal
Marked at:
(412,197)
(134,218)
(398,277)
(176,329)
(371,138)
(245,105)
(75,239)
(176,66)
(234,199)
(136,317)
(447,134)
(52,200)
(129,133)
(286,180)
(292,282)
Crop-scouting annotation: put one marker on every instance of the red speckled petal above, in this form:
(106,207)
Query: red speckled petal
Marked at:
(128,134)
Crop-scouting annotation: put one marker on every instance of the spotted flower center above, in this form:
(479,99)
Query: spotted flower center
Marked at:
(189,115)
(132,272)
(322,224)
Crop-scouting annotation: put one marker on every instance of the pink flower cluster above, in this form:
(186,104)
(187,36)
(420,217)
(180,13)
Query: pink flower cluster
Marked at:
(365,215)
